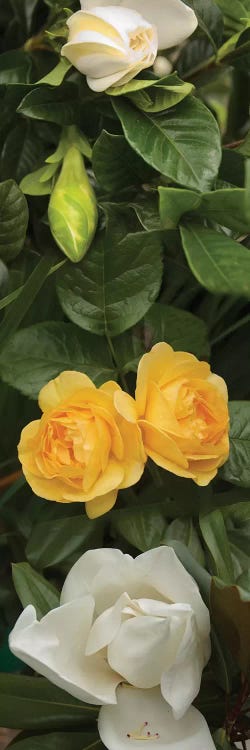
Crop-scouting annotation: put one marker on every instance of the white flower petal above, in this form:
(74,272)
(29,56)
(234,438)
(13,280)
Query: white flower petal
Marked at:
(135,707)
(174,20)
(161,569)
(144,647)
(181,684)
(106,626)
(93,563)
(55,647)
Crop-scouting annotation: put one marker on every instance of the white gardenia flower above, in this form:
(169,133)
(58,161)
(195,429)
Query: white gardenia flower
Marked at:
(132,636)
(110,44)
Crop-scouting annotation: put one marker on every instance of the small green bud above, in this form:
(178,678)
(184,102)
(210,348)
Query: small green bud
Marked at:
(72,208)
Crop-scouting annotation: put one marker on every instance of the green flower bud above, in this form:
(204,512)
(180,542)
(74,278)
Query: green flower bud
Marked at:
(72,208)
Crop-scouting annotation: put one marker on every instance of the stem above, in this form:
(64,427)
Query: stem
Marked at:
(117,364)
(230,330)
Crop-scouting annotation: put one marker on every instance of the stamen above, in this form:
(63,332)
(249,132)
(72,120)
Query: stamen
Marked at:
(140,734)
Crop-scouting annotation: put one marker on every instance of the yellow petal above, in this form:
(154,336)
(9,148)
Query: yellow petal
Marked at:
(162,444)
(126,406)
(152,367)
(159,412)
(100,505)
(134,453)
(82,21)
(61,388)
(110,388)
(164,463)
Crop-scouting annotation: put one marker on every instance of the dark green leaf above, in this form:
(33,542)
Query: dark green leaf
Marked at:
(237,468)
(15,67)
(115,284)
(32,588)
(174,203)
(200,575)
(229,207)
(210,20)
(58,105)
(13,220)
(22,151)
(37,354)
(34,703)
(179,328)
(52,543)
(144,529)
(183,145)
(61,741)
(219,263)
(183,530)
(214,533)
(115,164)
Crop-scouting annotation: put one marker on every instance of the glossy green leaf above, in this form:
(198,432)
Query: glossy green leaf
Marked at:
(144,529)
(210,20)
(115,284)
(165,93)
(34,703)
(183,144)
(115,164)
(219,263)
(58,105)
(22,151)
(56,76)
(229,207)
(214,533)
(32,588)
(174,203)
(237,468)
(179,328)
(183,530)
(37,354)
(52,543)
(13,220)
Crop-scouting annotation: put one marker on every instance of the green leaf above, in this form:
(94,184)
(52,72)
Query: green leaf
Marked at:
(22,151)
(26,297)
(13,220)
(15,67)
(56,76)
(33,184)
(182,330)
(183,530)
(237,468)
(37,354)
(183,145)
(61,741)
(210,20)
(129,350)
(219,263)
(115,284)
(58,105)
(165,93)
(34,703)
(174,203)
(144,529)
(32,588)
(230,610)
(115,164)
(229,208)
(214,533)
(52,543)
(234,11)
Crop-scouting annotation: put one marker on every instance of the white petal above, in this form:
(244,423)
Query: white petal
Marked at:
(174,20)
(106,626)
(55,648)
(161,569)
(135,707)
(144,647)
(181,684)
(81,577)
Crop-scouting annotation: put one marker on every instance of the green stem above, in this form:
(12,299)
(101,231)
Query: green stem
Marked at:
(230,330)
(117,364)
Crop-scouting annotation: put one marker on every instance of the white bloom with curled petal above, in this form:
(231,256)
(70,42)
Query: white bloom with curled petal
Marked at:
(132,636)
(110,44)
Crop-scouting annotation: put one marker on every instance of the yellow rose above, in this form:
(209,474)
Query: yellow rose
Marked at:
(183,413)
(83,448)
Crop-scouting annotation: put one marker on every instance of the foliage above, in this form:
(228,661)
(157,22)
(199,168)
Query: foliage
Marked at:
(168,161)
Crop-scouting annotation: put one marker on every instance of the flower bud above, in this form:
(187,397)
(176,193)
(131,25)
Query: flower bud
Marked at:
(72,208)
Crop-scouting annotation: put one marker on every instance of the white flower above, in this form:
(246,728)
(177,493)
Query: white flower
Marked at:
(141,622)
(111,44)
